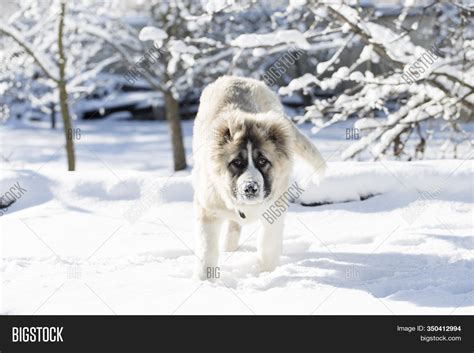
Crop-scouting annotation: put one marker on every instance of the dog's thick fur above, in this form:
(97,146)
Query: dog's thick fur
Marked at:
(243,149)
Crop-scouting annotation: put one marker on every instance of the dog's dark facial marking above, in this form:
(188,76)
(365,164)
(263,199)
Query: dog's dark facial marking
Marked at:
(236,167)
(264,166)
(262,162)
(238,164)
(268,142)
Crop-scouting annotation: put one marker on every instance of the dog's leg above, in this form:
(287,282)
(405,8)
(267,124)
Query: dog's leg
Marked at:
(231,236)
(269,244)
(207,247)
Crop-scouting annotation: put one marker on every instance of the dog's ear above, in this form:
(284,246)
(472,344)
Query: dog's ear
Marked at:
(222,134)
(278,133)
(226,136)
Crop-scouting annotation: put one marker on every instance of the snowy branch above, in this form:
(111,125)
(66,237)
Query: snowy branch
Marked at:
(41,59)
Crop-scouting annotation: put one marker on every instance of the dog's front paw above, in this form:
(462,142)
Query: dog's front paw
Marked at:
(199,275)
(267,264)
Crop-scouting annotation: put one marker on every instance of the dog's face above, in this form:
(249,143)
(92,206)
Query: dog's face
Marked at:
(250,153)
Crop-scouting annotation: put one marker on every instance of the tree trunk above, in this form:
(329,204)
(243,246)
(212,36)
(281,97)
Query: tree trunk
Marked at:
(172,115)
(63,96)
(53,116)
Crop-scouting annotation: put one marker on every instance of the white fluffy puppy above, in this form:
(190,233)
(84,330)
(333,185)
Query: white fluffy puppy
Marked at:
(243,149)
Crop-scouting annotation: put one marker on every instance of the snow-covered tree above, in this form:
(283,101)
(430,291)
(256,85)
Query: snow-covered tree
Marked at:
(56,56)
(54,71)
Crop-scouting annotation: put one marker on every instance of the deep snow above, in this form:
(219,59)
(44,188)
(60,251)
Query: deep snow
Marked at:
(116,235)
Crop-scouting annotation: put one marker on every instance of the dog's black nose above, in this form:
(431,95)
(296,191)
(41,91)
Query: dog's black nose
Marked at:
(250,188)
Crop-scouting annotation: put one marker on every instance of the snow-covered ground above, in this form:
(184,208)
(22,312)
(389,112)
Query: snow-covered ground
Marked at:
(116,236)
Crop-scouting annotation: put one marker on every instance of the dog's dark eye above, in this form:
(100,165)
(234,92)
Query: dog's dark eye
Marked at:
(238,163)
(262,162)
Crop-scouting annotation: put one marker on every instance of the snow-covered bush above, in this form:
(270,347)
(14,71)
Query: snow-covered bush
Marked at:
(395,88)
